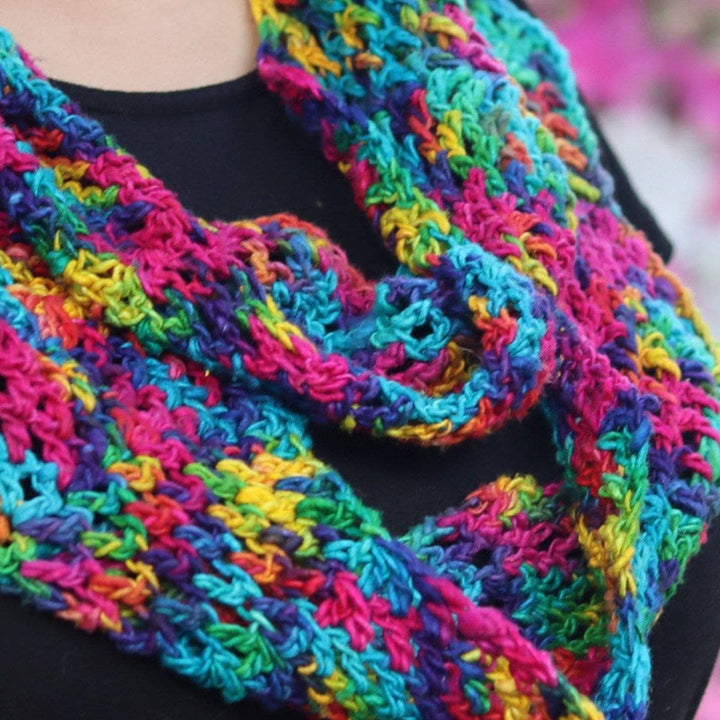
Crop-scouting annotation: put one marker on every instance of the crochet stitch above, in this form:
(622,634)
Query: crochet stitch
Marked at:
(157,479)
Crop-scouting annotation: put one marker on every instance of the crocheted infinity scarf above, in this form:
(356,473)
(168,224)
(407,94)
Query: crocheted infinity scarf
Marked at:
(158,371)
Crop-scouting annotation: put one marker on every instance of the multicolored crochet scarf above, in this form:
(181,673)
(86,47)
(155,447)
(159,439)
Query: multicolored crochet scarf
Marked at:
(158,372)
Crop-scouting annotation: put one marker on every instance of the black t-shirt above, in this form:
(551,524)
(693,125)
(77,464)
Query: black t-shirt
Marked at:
(230,152)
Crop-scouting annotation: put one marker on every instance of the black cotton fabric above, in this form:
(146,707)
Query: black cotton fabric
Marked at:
(229,152)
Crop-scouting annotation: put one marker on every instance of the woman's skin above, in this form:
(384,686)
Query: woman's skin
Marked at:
(135,45)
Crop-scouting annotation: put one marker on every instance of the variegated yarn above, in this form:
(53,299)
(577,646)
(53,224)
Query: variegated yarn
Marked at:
(158,372)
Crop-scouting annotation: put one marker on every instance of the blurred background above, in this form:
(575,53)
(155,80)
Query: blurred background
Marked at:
(651,68)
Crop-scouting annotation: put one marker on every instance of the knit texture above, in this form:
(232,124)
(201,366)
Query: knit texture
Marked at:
(157,479)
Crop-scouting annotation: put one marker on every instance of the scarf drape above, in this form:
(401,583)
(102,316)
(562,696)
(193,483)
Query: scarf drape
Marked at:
(157,479)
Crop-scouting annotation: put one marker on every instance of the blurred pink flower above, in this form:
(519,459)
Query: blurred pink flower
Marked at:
(605,36)
(630,52)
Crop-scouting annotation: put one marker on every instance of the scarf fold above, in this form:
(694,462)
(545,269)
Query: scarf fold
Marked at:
(157,478)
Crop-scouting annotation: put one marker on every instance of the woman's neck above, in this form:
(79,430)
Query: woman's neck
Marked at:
(135,45)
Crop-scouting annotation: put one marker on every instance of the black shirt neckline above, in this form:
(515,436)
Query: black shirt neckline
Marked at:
(164,102)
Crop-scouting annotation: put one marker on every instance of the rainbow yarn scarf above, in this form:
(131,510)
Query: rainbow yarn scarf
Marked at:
(157,479)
